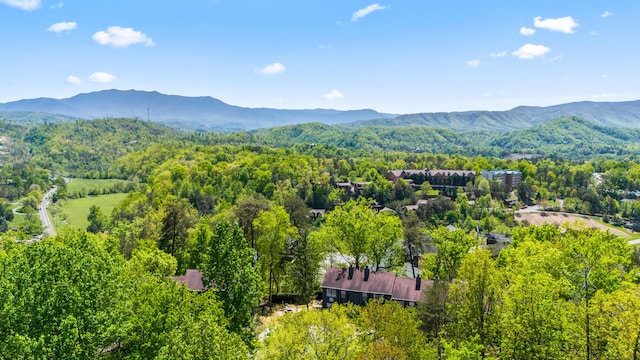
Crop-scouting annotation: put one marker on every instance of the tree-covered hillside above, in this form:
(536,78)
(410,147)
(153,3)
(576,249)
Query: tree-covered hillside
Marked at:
(569,137)
(616,114)
(88,148)
(414,138)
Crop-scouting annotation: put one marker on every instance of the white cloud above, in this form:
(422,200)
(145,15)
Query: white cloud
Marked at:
(366,11)
(530,51)
(563,24)
(606,14)
(22,4)
(58,5)
(604,76)
(333,95)
(527,31)
(73,80)
(500,54)
(473,63)
(593,33)
(272,69)
(102,77)
(63,26)
(117,36)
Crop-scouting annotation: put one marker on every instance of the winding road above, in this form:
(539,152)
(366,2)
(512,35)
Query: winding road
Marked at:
(47,225)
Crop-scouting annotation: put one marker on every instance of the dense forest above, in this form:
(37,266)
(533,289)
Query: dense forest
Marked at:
(261,214)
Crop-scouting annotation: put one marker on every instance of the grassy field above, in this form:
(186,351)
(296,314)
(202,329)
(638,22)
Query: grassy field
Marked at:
(77,185)
(77,210)
(18,220)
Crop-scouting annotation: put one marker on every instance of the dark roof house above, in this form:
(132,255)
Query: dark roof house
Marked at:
(341,285)
(496,242)
(192,279)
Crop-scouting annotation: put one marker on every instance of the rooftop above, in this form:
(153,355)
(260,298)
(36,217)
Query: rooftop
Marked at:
(398,287)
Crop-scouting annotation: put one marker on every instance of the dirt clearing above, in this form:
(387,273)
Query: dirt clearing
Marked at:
(561,218)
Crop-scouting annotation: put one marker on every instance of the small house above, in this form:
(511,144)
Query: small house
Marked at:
(192,279)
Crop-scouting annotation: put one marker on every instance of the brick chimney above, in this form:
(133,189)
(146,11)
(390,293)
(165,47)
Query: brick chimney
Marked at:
(366,273)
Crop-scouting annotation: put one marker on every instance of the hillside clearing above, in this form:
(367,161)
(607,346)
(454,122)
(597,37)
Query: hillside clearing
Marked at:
(77,185)
(77,210)
(562,218)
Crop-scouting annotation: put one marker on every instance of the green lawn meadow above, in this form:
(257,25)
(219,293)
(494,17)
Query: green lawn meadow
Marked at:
(86,185)
(77,210)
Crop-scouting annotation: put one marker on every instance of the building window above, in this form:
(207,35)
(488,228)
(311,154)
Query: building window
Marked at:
(343,294)
(332,293)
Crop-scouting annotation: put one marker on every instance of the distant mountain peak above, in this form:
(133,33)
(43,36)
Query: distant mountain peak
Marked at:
(198,113)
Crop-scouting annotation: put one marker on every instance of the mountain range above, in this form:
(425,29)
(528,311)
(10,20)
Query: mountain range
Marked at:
(210,114)
(195,113)
(615,114)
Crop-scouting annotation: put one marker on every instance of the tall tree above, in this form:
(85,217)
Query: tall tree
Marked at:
(475,299)
(414,237)
(386,242)
(274,234)
(356,230)
(452,247)
(97,220)
(59,299)
(313,335)
(308,254)
(247,209)
(178,219)
(198,244)
(535,322)
(229,267)
(599,260)
(201,314)
(299,213)
(395,326)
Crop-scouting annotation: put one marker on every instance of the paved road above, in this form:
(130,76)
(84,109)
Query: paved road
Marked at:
(528,209)
(47,225)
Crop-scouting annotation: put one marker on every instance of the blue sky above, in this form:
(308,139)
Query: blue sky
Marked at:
(402,56)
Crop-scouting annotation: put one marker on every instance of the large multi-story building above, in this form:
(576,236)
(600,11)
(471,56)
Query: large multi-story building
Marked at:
(511,178)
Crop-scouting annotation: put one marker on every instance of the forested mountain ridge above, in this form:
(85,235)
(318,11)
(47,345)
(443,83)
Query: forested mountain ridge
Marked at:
(90,148)
(570,137)
(34,117)
(196,113)
(615,114)
(206,113)
(84,148)
(567,134)
(409,138)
